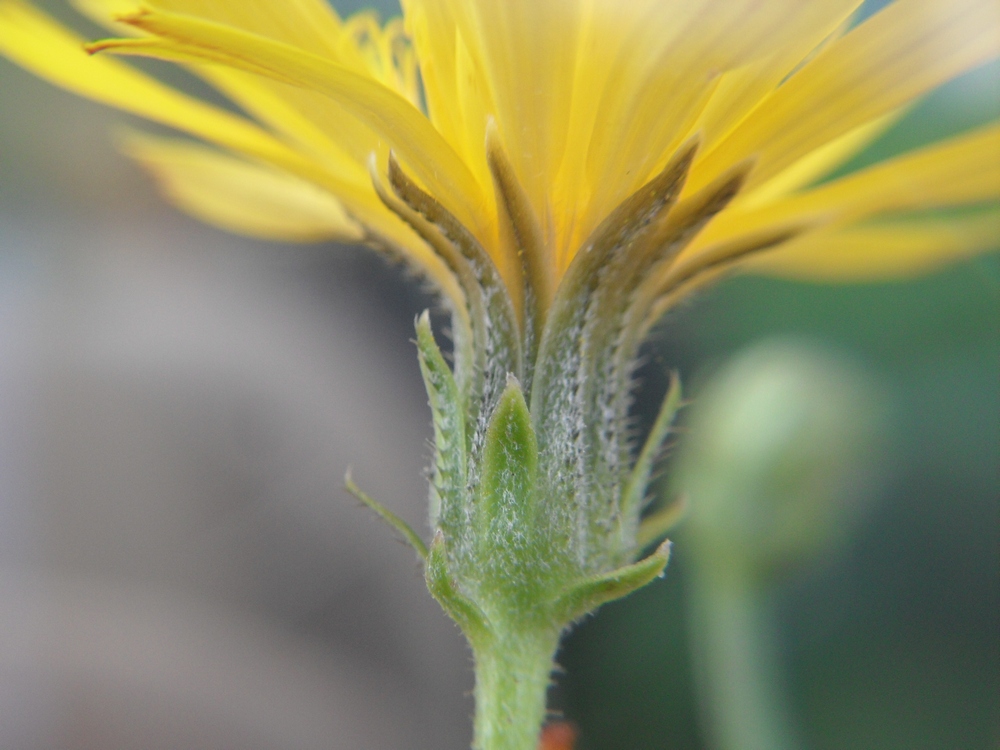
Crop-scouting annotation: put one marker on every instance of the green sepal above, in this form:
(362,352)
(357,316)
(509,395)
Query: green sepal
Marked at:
(450,442)
(656,525)
(508,537)
(580,397)
(634,494)
(520,225)
(495,326)
(443,588)
(468,315)
(401,526)
(589,594)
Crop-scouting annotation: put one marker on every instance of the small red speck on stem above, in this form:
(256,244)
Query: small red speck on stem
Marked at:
(559,735)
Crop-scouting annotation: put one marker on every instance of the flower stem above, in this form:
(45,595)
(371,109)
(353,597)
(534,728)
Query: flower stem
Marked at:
(740,684)
(512,678)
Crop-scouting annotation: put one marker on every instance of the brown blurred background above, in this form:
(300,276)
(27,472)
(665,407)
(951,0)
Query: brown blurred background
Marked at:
(179,564)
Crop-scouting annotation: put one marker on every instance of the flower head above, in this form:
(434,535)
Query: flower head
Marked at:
(564,172)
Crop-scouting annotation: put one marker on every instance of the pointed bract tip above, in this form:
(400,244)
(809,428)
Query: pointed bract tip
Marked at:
(396,174)
(492,131)
(373,166)
(494,142)
(688,150)
(425,333)
(663,552)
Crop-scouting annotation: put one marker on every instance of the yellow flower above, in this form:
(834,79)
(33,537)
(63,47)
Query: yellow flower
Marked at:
(527,122)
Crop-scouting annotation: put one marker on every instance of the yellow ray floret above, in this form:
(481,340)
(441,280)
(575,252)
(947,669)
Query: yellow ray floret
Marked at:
(884,251)
(239,196)
(385,111)
(961,170)
(903,52)
(310,24)
(37,43)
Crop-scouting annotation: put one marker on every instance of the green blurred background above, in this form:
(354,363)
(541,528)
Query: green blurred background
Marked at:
(890,641)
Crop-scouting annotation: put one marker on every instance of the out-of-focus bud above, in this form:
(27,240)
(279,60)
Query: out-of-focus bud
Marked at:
(779,454)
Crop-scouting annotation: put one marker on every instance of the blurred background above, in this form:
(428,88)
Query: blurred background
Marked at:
(180,567)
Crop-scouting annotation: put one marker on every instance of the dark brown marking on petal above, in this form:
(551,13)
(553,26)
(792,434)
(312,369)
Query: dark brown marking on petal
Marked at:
(632,216)
(640,209)
(470,355)
(521,223)
(496,330)
(416,198)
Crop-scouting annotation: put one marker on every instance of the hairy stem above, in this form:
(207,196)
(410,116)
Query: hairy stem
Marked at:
(512,678)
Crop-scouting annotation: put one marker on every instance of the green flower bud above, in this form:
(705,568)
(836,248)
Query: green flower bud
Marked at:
(779,453)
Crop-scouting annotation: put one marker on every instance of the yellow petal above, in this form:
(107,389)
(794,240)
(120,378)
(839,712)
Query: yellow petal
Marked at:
(740,90)
(457,90)
(36,42)
(391,116)
(303,116)
(902,52)
(818,163)
(526,50)
(309,24)
(961,170)
(678,57)
(964,169)
(260,201)
(239,196)
(105,12)
(647,70)
(39,44)
(386,51)
(434,36)
(881,252)
(589,95)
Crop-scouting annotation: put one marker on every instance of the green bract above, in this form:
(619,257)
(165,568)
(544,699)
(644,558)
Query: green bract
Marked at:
(507,555)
